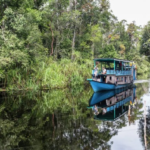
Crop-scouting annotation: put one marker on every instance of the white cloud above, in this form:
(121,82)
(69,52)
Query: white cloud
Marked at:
(131,10)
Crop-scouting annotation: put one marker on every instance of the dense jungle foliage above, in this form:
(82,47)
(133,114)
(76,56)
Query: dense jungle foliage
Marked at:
(51,43)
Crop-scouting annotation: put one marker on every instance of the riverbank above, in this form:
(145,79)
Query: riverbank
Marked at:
(51,74)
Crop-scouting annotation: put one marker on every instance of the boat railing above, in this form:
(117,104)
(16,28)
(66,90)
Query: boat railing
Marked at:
(119,72)
(116,72)
(120,103)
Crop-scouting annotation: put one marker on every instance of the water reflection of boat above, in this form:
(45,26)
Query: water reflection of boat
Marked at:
(113,104)
(102,95)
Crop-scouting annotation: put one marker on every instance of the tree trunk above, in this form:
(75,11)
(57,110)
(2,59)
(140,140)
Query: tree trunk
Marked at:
(52,40)
(93,50)
(73,42)
(3,35)
(70,5)
(74,34)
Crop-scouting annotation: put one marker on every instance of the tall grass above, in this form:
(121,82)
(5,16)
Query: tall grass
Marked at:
(50,74)
(63,73)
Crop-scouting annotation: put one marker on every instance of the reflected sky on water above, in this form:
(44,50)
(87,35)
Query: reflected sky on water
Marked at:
(129,135)
(63,119)
(127,138)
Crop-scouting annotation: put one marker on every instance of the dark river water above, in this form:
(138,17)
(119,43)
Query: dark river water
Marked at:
(76,119)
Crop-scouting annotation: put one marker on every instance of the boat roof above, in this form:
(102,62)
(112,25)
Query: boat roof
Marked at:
(110,116)
(110,60)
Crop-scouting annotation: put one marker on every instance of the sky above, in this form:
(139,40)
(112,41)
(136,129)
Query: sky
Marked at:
(131,10)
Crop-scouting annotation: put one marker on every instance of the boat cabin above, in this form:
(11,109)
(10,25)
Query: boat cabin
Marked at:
(118,71)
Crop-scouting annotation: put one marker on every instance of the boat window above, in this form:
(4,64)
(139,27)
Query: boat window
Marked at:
(120,79)
(110,78)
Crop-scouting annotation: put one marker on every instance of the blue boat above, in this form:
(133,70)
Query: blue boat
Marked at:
(116,73)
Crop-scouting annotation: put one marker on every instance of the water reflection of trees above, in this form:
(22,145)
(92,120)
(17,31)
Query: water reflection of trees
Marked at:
(135,111)
(141,88)
(48,120)
(141,130)
(53,120)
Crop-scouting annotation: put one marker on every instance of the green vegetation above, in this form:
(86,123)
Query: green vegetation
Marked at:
(58,119)
(41,119)
(51,43)
(143,131)
(55,119)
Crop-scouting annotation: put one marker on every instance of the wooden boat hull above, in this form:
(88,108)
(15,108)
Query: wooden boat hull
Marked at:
(100,96)
(100,86)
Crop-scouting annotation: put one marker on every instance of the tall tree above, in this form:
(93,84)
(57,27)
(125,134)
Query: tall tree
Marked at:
(145,41)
